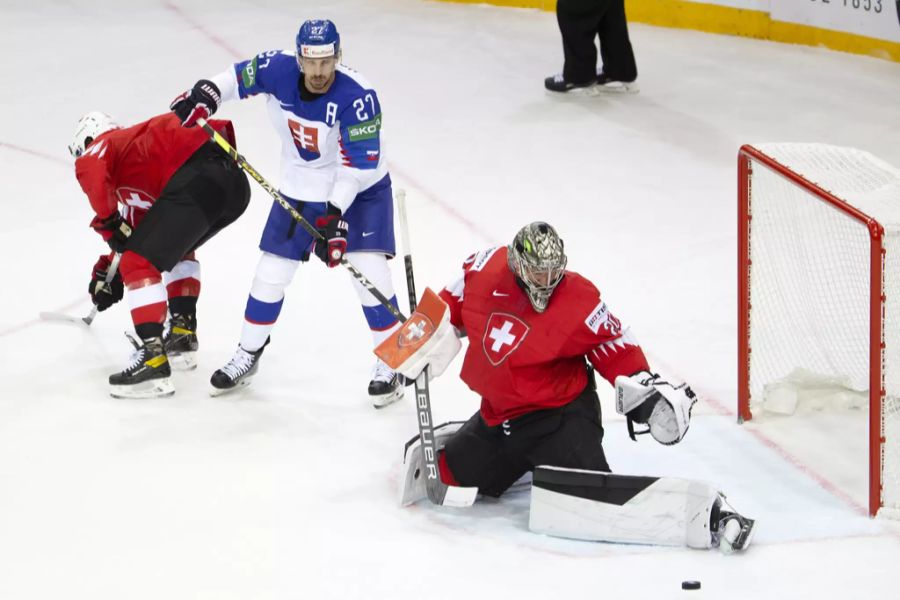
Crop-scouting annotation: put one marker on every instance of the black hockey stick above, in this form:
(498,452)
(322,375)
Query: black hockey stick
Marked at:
(438,492)
(242,162)
(54,316)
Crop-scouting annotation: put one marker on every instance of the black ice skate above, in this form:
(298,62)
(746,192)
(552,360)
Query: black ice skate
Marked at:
(147,374)
(606,84)
(237,373)
(556,83)
(731,531)
(180,342)
(386,386)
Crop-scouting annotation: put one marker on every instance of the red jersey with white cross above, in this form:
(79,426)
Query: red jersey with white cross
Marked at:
(131,166)
(520,360)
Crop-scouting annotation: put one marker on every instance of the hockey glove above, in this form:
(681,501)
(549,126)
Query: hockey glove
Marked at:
(666,409)
(114,230)
(103,294)
(331,249)
(199,102)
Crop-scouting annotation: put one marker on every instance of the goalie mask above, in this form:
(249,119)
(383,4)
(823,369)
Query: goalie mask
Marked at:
(89,127)
(538,260)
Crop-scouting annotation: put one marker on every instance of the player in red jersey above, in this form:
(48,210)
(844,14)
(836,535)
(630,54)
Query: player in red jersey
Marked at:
(159,192)
(537,333)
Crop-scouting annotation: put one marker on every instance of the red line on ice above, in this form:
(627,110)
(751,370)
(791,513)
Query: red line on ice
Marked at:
(37,153)
(211,36)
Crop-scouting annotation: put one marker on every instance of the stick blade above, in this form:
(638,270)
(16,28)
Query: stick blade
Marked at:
(63,318)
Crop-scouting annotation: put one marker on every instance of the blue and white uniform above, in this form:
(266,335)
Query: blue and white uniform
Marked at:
(331,153)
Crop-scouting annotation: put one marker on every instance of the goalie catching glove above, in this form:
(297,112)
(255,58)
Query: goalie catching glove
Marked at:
(426,339)
(666,409)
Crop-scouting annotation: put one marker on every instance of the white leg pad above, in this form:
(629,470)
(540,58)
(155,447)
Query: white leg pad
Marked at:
(414,476)
(597,506)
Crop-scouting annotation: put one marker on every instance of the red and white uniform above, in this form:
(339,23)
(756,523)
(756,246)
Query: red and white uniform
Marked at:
(131,166)
(127,170)
(519,360)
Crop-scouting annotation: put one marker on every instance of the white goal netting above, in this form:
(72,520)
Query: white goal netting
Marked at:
(810,288)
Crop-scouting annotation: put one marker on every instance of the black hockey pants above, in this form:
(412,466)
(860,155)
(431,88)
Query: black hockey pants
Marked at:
(580,22)
(493,458)
(205,195)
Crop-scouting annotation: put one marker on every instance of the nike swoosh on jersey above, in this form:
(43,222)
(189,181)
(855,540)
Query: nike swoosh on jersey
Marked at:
(496,293)
(368,233)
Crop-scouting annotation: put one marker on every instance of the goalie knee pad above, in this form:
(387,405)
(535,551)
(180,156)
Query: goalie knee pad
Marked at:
(598,506)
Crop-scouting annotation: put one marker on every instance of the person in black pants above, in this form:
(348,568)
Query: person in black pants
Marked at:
(580,22)
(159,191)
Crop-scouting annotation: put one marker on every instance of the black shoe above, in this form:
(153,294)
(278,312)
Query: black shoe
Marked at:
(238,372)
(386,386)
(147,375)
(180,341)
(558,84)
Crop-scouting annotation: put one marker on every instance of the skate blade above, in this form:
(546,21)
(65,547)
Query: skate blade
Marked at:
(156,388)
(387,399)
(214,391)
(617,88)
(184,361)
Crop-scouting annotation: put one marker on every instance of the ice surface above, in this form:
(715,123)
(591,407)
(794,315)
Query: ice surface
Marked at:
(288,490)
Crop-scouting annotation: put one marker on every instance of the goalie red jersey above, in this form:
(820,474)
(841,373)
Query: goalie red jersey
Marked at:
(520,360)
(131,166)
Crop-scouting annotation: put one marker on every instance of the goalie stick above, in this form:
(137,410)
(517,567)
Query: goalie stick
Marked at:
(438,492)
(86,321)
(242,162)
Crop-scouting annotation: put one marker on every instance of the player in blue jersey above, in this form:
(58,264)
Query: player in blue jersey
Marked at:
(333,171)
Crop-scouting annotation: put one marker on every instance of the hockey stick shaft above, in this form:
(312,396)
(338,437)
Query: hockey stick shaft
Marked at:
(306,225)
(110,275)
(436,489)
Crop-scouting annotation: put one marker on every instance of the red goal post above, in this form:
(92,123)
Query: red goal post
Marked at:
(811,259)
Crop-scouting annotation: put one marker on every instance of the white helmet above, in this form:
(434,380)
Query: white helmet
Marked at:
(89,127)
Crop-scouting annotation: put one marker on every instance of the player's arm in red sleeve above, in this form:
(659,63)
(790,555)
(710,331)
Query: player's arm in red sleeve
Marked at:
(95,180)
(453,296)
(613,349)
(454,293)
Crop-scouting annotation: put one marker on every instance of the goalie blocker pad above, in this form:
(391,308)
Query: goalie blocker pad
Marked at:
(426,339)
(604,507)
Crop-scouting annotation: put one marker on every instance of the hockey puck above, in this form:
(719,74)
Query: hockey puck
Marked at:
(690,585)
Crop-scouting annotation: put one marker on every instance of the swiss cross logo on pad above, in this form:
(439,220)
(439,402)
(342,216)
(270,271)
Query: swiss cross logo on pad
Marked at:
(503,334)
(306,139)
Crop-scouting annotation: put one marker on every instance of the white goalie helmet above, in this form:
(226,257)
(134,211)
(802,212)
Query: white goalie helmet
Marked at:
(537,258)
(89,127)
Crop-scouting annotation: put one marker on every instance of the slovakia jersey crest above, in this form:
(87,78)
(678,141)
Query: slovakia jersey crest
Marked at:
(503,334)
(306,139)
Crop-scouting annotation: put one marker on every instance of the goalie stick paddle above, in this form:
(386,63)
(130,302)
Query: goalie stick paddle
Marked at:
(306,225)
(86,321)
(438,492)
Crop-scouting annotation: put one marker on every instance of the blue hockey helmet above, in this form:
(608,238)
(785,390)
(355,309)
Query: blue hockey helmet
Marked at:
(318,38)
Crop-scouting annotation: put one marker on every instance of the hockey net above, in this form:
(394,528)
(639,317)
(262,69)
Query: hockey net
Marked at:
(819,298)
